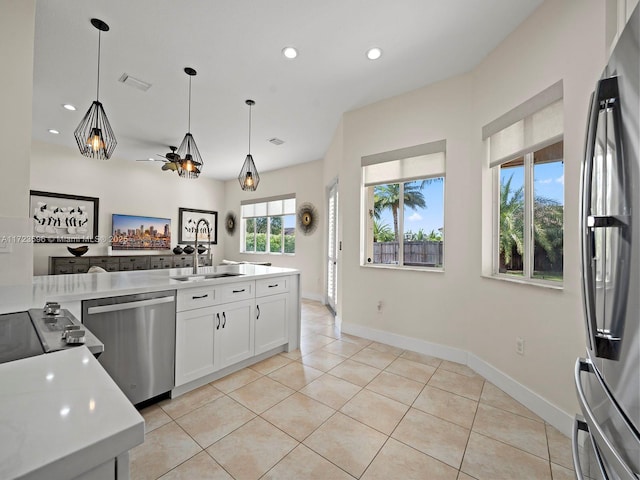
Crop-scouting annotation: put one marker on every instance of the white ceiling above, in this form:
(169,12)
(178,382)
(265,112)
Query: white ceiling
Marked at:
(235,46)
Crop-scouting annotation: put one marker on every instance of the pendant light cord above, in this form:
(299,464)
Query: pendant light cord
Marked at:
(98,83)
(189,104)
(249,129)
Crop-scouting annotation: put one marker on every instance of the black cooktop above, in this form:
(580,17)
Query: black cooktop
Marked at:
(18,337)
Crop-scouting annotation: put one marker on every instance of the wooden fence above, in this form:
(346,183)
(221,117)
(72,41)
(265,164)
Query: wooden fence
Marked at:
(424,254)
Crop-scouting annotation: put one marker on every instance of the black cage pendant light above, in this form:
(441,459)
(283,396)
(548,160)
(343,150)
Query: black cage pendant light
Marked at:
(190,162)
(94,135)
(249,177)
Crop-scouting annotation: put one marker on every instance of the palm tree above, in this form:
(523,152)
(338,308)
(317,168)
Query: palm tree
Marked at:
(511,220)
(387,197)
(381,232)
(434,236)
(547,226)
(547,223)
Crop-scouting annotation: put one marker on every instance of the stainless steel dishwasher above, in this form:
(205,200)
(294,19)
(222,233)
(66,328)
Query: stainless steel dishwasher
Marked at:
(139,336)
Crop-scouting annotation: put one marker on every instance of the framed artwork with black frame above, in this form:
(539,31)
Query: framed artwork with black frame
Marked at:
(187,221)
(62,218)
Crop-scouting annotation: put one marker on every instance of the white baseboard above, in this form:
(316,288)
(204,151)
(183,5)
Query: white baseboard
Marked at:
(316,297)
(539,405)
(546,410)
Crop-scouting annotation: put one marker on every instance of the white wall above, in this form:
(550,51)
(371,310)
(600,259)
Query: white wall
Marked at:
(17,27)
(459,308)
(305,181)
(122,186)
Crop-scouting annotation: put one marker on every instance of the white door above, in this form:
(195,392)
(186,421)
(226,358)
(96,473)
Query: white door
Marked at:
(332,247)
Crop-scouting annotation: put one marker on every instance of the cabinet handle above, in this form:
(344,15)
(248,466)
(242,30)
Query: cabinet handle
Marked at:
(196,297)
(224,319)
(238,291)
(272,286)
(218,325)
(258,307)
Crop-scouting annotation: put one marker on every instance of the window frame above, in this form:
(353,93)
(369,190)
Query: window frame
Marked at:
(528,257)
(408,153)
(243,226)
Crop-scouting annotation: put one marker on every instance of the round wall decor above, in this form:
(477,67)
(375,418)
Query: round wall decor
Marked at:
(307,218)
(230,223)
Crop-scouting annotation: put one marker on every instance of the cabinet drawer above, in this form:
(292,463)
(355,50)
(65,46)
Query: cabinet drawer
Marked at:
(271,286)
(100,261)
(66,262)
(182,261)
(235,291)
(66,269)
(191,298)
(134,263)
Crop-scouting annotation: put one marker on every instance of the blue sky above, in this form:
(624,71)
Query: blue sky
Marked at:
(548,180)
(427,219)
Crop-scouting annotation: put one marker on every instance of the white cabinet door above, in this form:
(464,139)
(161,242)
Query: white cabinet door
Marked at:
(271,322)
(234,332)
(194,344)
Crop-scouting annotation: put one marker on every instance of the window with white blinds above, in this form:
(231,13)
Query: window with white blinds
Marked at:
(535,124)
(403,207)
(527,161)
(268,225)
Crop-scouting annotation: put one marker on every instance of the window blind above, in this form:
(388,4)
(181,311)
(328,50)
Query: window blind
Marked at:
(534,124)
(273,206)
(420,161)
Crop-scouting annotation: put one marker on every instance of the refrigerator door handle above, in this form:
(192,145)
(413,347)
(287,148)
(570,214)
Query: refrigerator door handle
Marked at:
(587,237)
(579,424)
(605,340)
(602,443)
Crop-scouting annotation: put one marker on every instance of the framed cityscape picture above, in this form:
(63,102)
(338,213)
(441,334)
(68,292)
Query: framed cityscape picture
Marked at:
(61,218)
(187,221)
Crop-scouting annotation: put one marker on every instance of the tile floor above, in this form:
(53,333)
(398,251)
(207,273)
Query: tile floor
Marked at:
(343,407)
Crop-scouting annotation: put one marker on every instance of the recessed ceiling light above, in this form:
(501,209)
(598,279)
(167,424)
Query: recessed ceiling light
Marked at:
(290,52)
(68,106)
(374,53)
(55,132)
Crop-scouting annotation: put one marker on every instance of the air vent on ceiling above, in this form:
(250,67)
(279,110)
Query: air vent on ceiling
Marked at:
(134,82)
(276,141)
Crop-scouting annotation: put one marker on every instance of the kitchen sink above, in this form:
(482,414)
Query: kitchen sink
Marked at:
(208,276)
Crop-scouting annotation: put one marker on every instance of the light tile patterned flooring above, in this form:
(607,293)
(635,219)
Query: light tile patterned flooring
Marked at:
(343,407)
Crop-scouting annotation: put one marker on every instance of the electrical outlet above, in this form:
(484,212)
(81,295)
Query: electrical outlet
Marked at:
(520,345)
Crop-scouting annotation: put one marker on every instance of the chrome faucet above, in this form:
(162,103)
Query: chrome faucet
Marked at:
(195,243)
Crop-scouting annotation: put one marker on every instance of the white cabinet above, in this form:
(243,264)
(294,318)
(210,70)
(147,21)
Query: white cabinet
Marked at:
(271,322)
(194,344)
(234,333)
(226,324)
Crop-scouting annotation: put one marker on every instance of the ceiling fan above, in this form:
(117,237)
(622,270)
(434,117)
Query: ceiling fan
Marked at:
(170,159)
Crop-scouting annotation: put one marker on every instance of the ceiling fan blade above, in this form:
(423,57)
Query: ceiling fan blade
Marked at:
(169,166)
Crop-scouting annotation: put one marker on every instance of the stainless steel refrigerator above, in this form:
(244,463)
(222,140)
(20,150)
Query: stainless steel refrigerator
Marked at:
(606,440)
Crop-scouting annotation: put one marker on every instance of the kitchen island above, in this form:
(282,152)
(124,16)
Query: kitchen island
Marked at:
(27,445)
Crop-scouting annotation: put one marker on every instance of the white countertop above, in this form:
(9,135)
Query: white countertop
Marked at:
(83,286)
(61,415)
